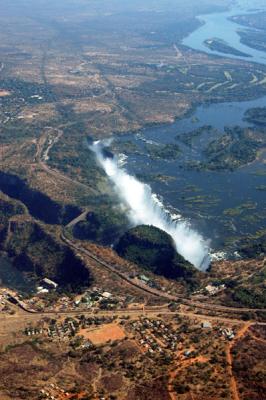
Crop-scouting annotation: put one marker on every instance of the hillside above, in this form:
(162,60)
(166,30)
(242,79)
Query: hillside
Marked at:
(153,249)
(35,252)
(102,226)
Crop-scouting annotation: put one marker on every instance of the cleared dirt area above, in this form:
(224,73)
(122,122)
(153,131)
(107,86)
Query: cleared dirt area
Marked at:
(4,93)
(103,334)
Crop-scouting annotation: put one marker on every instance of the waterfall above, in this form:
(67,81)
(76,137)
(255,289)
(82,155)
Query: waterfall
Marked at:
(145,208)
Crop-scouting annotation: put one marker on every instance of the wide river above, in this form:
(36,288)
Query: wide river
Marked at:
(220,26)
(223,206)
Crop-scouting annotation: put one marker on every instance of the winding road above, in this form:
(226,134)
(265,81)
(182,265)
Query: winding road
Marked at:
(155,292)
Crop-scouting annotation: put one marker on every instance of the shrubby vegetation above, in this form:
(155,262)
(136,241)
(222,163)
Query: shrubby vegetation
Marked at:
(232,150)
(165,152)
(253,247)
(26,90)
(249,297)
(36,253)
(249,294)
(222,47)
(103,226)
(255,39)
(39,205)
(7,210)
(74,158)
(235,148)
(126,147)
(248,361)
(253,20)
(188,137)
(256,116)
(168,151)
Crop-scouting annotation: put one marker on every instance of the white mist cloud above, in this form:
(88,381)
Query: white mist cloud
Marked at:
(144,208)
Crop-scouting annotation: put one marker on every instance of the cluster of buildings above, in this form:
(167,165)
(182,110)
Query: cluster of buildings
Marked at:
(85,322)
(53,392)
(63,330)
(228,333)
(33,331)
(46,286)
(155,335)
(211,289)
(8,296)
(214,289)
(59,330)
(68,328)
(92,298)
(99,298)
(145,280)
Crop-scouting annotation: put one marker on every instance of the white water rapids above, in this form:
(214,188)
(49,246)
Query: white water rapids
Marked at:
(144,208)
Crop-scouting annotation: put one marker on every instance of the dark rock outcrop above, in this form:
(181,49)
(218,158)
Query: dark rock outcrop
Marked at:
(154,250)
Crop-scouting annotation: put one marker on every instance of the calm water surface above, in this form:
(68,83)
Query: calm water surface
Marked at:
(219,26)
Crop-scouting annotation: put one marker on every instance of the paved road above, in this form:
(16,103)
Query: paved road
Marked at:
(80,218)
(10,324)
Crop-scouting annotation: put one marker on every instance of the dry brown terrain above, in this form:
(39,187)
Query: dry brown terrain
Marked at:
(103,334)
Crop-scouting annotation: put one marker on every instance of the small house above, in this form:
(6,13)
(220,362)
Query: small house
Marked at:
(144,279)
(206,325)
(106,295)
(49,284)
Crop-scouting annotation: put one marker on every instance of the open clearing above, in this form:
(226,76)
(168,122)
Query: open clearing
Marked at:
(103,334)
(4,93)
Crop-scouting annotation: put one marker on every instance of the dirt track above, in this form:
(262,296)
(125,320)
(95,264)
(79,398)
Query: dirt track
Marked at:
(229,359)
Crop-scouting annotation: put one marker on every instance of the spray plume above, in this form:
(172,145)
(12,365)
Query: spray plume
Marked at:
(144,208)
